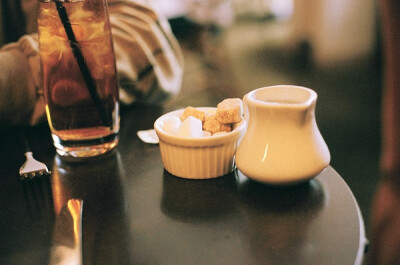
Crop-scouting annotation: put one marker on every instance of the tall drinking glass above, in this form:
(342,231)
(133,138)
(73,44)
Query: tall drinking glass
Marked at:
(79,76)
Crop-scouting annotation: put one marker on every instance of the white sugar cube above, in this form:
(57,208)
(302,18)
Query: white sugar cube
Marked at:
(191,127)
(171,124)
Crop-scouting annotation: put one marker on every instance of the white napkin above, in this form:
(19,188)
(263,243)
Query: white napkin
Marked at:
(148,136)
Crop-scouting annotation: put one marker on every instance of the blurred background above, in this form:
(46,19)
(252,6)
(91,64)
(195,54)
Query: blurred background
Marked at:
(330,46)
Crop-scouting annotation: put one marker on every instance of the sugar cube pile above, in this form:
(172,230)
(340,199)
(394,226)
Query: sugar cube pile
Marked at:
(197,123)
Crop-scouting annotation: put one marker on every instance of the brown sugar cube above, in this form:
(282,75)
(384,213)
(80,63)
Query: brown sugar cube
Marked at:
(190,111)
(212,125)
(229,110)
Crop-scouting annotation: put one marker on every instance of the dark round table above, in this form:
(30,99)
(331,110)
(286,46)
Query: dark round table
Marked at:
(134,212)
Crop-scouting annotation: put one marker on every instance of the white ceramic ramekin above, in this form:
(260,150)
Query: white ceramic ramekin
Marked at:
(198,158)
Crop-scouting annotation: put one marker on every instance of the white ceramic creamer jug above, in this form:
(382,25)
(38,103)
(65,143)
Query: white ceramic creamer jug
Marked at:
(282,144)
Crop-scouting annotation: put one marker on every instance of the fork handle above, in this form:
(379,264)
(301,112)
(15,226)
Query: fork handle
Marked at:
(24,139)
(28,154)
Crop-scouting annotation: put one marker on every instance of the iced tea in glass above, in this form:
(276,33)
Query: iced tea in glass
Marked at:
(79,76)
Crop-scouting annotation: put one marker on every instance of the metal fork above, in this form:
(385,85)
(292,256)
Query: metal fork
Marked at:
(36,185)
(32,168)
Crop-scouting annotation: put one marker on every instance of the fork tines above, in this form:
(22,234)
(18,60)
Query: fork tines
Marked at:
(32,168)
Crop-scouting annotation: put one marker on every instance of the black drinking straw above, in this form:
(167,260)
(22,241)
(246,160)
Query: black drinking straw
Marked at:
(62,12)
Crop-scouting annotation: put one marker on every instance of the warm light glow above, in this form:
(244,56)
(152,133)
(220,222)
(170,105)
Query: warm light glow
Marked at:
(59,197)
(74,207)
(265,152)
